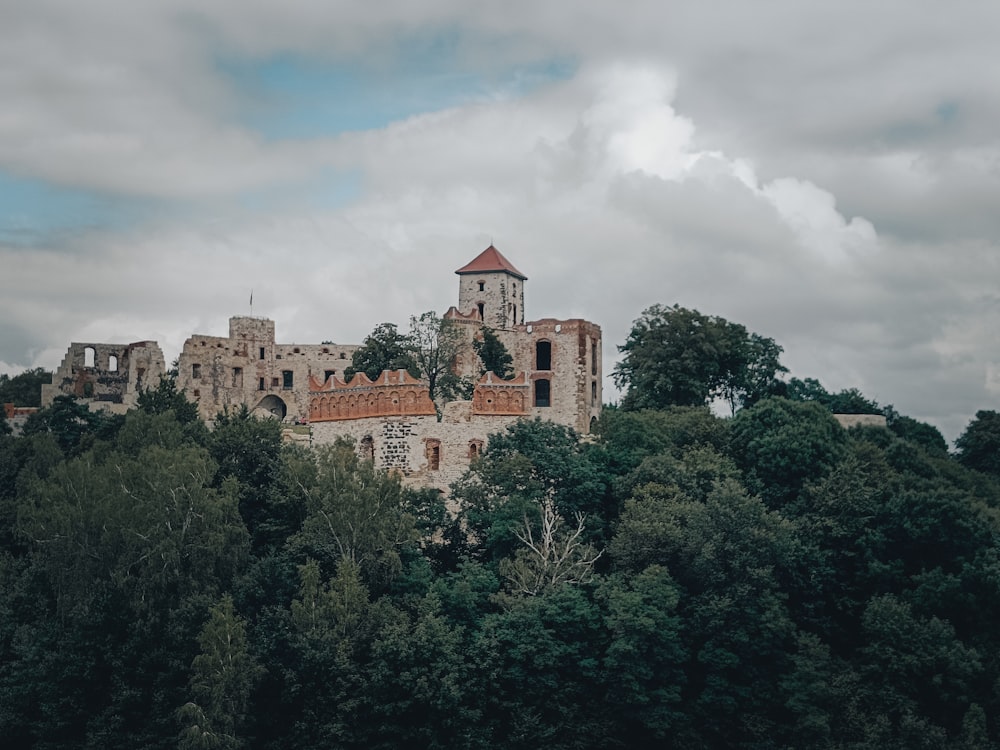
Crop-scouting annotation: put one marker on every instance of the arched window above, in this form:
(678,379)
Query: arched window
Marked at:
(112,363)
(475,449)
(543,355)
(542,393)
(89,355)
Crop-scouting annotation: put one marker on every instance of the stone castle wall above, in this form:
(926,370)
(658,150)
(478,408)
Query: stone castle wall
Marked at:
(107,377)
(424,451)
(248,367)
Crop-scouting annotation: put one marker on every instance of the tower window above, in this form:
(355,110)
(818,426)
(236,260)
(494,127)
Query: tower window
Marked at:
(543,356)
(286,380)
(593,357)
(260,384)
(593,393)
(542,393)
(237,377)
(196,372)
(261,353)
(112,363)
(482,310)
(482,286)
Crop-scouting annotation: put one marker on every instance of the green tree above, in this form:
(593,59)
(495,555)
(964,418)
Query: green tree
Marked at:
(72,424)
(223,676)
(355,513)
(24,389)
(978,447)
(782,444)
(166,397)
(493,355)
(436,343)
(676,356)
(385,348)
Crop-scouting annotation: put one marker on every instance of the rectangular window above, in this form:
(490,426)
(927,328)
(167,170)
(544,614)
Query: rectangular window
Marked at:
(542,395)
(286,380)
(434,455)
(262,352)
(274,382)
(593,393)
(261,385)
(237,377)
(196,372)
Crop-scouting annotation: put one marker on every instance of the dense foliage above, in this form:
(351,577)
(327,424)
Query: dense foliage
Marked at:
(678,357)
(765,581)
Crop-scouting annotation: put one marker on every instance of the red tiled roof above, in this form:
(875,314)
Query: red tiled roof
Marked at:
(489,260)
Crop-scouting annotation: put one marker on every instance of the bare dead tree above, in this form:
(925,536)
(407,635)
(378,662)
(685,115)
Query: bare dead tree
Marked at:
(554,555)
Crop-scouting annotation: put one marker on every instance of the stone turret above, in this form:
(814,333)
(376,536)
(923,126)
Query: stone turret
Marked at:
(492,289)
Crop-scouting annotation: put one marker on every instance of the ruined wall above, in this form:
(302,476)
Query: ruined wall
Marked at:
(248,367)
(426,452)
(106,376)
(848,421)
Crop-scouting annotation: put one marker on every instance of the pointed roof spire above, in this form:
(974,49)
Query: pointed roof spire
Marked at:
(489,260)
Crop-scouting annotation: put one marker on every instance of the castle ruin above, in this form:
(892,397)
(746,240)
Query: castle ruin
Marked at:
(392,420)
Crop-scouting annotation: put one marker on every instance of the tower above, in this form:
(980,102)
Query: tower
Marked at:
(492,286)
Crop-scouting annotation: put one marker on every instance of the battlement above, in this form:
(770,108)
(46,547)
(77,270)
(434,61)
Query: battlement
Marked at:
(395,393)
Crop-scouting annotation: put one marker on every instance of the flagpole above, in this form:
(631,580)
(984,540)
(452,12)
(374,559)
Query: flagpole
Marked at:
(251,303)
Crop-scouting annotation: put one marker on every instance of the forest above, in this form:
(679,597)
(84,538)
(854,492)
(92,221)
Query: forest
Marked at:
(679,579)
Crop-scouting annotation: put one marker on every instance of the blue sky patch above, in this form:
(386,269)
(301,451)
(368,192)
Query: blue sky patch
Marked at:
(31,209)
(293,97)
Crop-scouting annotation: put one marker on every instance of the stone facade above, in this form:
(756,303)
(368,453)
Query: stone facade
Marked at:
(847,421)
(558,379)
(248,367)
(106,376)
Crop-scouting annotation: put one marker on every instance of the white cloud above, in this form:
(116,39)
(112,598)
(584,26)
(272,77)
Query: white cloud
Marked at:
(826,183)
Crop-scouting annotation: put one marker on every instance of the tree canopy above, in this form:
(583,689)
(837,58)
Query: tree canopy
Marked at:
(678,357)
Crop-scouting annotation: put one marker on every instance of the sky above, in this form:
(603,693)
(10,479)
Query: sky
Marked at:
(827,175)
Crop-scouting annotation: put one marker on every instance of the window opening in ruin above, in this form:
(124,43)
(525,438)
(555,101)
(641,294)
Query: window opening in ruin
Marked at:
(261,384)
(274,382)
(368,448)
(261,353)
(593,393)
(88,390)
(112,363)
(482,286)
(286,380)
(558,327)
(433,455)
(89,355)
(542,392)
(515,314)
(593,357)
(327,374)
(475,449)
(139,375)
(196,372)
(277,356)
(296,350)
(237,377)
(482,310)
(326,350)
(543,355)
(197,393)
(343,356)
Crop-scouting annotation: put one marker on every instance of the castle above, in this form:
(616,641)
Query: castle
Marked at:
(392,420)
